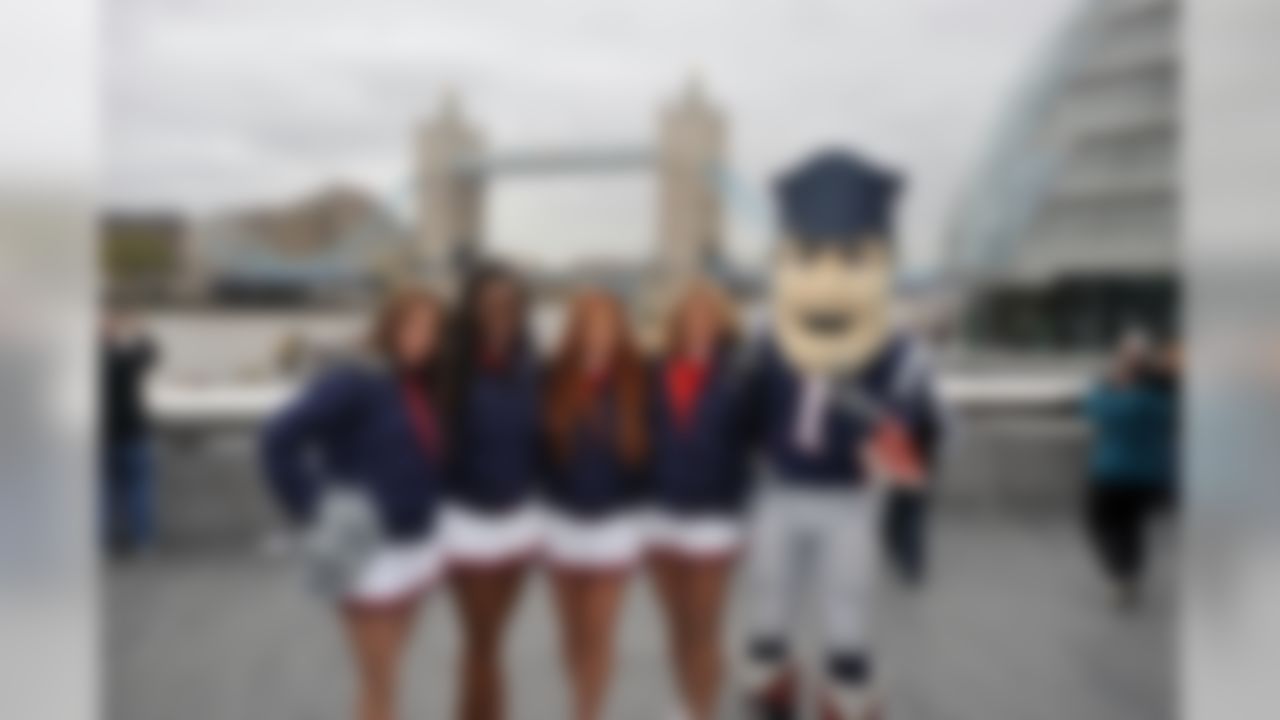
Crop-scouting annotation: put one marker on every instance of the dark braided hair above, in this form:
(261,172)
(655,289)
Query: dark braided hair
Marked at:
(468,331)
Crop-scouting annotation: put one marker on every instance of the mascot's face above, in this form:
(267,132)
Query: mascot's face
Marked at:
(831,303)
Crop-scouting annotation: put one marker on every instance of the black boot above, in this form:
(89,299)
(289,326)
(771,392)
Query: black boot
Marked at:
(777,700)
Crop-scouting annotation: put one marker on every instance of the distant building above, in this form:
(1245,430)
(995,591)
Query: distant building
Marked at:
(1070,233)
(142,255)
(336,243)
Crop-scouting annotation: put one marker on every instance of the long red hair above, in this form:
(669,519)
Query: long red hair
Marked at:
(706,293)
(570,392)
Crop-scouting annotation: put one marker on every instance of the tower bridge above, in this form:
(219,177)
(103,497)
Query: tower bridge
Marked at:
(446,194)
(568,160)
(455,167)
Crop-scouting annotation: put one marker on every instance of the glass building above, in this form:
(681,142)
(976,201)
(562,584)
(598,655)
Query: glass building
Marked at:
(1069,235)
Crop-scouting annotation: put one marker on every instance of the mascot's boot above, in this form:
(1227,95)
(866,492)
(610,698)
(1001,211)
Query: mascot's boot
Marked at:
(773,695)
(862,703)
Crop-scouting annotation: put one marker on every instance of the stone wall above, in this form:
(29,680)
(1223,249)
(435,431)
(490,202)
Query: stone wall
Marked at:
(1024,461)
(210,491)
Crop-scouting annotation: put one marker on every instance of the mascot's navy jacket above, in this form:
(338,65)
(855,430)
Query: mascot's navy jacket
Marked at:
(497,437)
(894,381)
(594,479)
(354,426)
(700,465)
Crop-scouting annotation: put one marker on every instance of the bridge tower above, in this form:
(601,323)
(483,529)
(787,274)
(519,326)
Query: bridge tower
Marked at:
(691,149)
(453,167)
(450,202)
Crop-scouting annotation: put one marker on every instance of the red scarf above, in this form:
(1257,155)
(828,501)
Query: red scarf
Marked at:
(596,383)
(493,362)
(594,387)
(423,416)
(685,381)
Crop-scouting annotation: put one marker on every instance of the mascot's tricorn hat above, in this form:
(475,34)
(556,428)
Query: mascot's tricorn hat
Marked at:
(837,198)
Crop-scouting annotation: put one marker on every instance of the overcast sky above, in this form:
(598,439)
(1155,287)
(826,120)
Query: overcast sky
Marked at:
(216,103)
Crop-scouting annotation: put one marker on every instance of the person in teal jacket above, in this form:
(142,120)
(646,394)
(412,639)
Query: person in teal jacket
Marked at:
(1132,462)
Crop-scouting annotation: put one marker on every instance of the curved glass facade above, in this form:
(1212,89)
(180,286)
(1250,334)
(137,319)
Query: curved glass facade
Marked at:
(1070,233)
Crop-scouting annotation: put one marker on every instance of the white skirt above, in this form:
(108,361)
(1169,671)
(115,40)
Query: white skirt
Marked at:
(611,542)
(398,573)
(474,538)
(696,536)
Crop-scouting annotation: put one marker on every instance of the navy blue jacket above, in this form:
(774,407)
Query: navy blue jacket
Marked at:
(887,382)
(700,467)
(497,438)
(352,426)
(594,480)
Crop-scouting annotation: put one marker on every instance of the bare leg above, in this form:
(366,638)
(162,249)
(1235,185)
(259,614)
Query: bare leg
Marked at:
(704,584)
(589,603)
(484,598)
(378,637)
(667,573)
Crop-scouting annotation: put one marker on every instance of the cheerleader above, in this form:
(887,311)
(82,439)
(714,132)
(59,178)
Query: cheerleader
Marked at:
(491,526)
(698,488)
(596,423)
(369,433)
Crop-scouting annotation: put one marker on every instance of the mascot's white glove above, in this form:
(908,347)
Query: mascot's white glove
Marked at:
(853,704)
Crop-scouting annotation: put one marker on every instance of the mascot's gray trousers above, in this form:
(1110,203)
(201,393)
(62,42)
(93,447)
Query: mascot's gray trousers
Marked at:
(812,549)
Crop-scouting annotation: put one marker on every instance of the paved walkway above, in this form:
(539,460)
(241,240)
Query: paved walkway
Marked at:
(1015,626)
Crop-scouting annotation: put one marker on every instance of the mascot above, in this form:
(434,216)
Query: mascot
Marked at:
(842,402)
